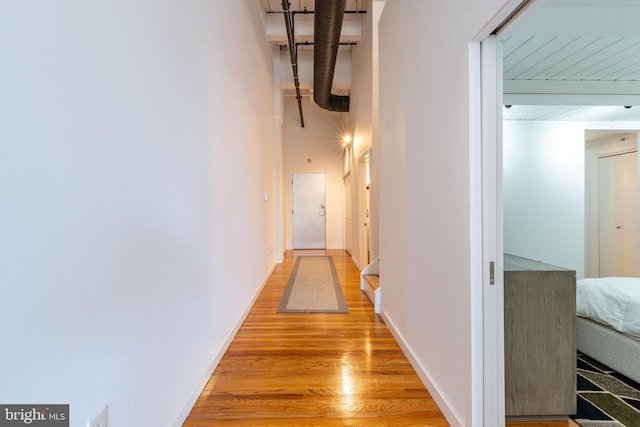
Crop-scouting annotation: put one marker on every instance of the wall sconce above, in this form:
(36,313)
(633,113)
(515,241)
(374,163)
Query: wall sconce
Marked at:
(346,140)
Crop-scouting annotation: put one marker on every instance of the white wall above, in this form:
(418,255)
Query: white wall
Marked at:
(377,6)
(278,106)
(544,190)
(136,143)
(321,141)
(359,122)
(424,188)
(363,119)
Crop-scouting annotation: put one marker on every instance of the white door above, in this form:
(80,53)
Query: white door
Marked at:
(366,206)
(367,224)
(618,214)
(308,210)
(363,215)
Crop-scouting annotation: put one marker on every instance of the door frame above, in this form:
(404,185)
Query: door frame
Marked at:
(486,210)
(487,311)
(363,233)
(592,240)
(348,212)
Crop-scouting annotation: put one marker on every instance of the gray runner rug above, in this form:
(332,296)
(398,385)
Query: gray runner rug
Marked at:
(313,287)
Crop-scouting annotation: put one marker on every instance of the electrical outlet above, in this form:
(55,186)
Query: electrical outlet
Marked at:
(100,420)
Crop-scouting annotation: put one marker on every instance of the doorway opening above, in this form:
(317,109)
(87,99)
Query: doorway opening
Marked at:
(365,179)
(564,205)
(348,221)
(611,177)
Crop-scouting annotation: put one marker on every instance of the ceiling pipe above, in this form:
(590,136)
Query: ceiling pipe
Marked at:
(326,37)
(286,7)
(305,43)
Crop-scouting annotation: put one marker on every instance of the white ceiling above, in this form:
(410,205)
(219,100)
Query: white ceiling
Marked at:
(571,113)
(563,59)
(299,5)
(562,56)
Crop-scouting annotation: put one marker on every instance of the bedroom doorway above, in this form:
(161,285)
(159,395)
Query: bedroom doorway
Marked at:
(524,84)
(612,200)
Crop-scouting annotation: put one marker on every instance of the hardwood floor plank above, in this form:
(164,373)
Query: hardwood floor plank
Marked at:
(309,369)
(419,420)
(285,369)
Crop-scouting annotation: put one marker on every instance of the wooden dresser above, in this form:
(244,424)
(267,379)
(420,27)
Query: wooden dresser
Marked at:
(539,339)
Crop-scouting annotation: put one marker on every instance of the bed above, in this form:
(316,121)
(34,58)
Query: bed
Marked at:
(608,322)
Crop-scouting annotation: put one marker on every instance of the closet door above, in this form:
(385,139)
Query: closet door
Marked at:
(618,214)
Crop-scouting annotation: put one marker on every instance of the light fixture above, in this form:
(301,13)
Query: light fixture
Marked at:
(346,140)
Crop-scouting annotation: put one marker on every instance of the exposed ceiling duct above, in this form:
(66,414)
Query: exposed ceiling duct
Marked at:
(326,34)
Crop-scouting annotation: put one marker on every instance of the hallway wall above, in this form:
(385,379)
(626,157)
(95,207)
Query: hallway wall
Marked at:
(136,144)
(363,121)
(425,212)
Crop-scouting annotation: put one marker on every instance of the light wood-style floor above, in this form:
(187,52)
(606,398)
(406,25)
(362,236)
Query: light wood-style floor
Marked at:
(293,369)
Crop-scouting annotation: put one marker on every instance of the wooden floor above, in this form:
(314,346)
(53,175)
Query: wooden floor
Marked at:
(291,369)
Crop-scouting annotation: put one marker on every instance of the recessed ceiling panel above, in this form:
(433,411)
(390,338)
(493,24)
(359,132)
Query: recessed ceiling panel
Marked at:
(580,51)
(571,113)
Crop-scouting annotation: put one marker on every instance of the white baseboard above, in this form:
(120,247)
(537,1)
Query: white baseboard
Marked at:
(444,405)
(214,364)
